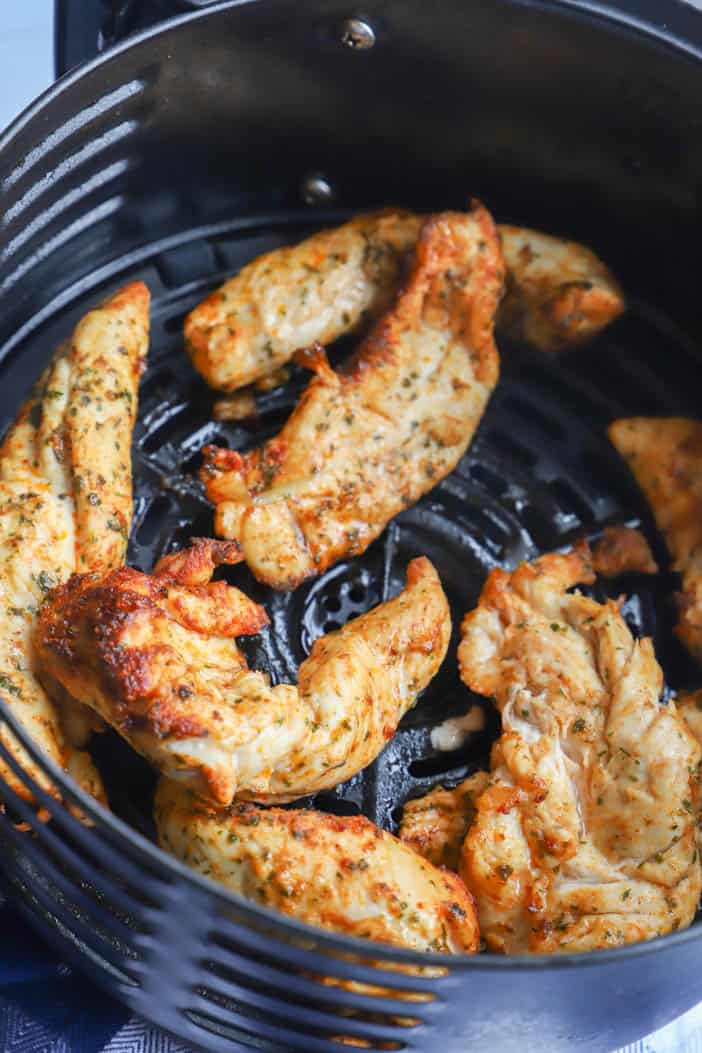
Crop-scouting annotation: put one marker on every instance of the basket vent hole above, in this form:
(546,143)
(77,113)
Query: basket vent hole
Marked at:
(396,814)
(448,764)
(329,802)
(157,384)
(570,501)
(611,475)
(357,593)
(492,482)
(155,521)
(333,604)
(167,430)
(539,527)
(531,415)
(174,324)
(192,465)
(331,625)
(511,449)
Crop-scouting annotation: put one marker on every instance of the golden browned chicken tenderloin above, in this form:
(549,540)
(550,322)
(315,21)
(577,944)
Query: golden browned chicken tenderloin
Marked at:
(157,659)
(364,443)
(558,293)
(664,455)
(66,504)
(338,873)
(586,836)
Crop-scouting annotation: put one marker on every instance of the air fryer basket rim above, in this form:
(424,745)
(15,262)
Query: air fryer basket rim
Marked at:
(681,29)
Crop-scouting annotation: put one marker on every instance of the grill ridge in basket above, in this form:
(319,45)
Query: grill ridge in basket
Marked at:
(539,474)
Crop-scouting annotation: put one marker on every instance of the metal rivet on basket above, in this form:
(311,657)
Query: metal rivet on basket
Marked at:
(357,34)
(317,190)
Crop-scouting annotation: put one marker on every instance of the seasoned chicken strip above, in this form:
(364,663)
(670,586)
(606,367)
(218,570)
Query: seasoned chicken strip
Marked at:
(75,431)
(157,659)
(298,296)
(338,873)
(36,549)
(558,293)
(365,443)
(586,834)
(435,825)
(665,457)
(65,502)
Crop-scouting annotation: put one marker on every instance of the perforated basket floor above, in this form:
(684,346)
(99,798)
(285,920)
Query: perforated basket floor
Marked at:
(539,474)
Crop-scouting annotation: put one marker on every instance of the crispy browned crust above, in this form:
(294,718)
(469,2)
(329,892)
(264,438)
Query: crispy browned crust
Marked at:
(195,564)
(622,550)
(85,623)
(159,661)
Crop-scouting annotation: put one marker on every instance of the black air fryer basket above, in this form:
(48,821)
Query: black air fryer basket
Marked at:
(177,157)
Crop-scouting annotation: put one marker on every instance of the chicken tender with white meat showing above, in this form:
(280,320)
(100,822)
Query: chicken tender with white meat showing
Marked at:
(558,293)
(364,443)
(586,835)
(339,873)
(156,657)
(298,296)
(665,457)
(66,503)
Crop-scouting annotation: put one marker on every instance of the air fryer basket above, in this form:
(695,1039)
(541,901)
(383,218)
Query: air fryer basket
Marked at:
(177,159)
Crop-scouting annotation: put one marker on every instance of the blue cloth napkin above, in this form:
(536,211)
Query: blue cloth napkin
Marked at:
(45,1007)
